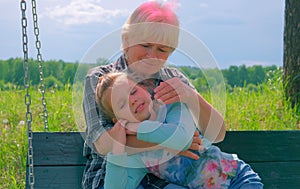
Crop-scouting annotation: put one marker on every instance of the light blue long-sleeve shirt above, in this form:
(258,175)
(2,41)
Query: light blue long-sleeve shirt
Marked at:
(173,129)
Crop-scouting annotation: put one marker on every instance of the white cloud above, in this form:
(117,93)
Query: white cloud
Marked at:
(78,12)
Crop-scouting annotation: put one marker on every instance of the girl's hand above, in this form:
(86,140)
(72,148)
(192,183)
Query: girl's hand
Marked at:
(196,145)
(118,135)
(197,142)
(173,90)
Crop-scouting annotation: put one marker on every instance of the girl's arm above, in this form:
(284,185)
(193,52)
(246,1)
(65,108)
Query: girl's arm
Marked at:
(128,169)
(123,172)
(176,132)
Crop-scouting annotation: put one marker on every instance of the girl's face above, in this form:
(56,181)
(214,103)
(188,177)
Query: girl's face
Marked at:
(147,58)
(130,101)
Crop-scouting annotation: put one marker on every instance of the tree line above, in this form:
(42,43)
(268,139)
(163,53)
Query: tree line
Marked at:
(58,73)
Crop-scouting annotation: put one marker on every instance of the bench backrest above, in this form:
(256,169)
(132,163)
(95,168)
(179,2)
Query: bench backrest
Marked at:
(274,155)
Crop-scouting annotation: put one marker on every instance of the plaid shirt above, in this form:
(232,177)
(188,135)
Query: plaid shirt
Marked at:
(97,124)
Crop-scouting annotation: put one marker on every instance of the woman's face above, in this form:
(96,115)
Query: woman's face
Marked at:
(130,101)
(147,58)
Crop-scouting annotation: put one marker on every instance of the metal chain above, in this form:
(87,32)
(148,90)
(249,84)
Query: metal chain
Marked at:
(27,96)
(40,62)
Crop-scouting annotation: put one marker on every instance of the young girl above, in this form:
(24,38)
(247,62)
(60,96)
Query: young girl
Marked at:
(170,126)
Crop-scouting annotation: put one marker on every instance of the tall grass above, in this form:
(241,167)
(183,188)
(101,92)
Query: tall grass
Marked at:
(12,140)
(261,108)
(13,132)
(258,108)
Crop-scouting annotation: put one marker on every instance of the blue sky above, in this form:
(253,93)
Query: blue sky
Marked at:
(236,32)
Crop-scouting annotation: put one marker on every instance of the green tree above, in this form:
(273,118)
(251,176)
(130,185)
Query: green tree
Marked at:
(243,76)
(69,73)
(186,71)
(54,68)
(34,72)
(4,70)
(231,75)
(256,74)
(17,72)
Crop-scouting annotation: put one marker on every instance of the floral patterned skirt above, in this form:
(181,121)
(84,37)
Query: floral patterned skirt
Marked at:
(214,169)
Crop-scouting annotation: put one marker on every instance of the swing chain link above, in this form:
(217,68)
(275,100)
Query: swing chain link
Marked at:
(27,96)
(40,62)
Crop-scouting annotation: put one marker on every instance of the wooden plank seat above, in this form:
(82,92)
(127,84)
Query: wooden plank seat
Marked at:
(275,155)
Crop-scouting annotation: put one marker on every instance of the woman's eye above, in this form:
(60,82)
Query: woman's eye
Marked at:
(162,50)
(145,45)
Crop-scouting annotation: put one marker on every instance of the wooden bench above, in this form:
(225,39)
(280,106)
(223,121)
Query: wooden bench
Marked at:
(274,155)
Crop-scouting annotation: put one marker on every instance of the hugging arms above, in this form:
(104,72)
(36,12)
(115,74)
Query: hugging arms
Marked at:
(99,141)
(130,105)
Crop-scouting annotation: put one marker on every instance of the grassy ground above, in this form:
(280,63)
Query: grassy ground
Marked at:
(13,132)
(259,109)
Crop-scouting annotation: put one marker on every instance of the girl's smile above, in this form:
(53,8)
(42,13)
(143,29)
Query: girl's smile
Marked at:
(130,101)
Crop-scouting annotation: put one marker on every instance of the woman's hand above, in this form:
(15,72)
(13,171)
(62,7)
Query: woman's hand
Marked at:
(173,90)
(210,121)
(118,135)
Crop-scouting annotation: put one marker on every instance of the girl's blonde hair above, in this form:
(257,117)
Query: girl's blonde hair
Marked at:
(105,83)
(151,22)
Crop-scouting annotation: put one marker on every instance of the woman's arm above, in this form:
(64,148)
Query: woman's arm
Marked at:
(211,122)
(208,119)
(133,145)
(137,146)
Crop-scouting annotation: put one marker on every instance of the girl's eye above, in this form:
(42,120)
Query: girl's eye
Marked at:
(133,91)
(122,104)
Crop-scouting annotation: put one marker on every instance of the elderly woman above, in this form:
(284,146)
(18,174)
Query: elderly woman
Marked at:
(149,36)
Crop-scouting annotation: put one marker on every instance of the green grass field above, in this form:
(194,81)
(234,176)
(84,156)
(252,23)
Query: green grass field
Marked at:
(259,109)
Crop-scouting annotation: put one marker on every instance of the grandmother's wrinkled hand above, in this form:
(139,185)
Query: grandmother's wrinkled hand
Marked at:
(173,90)
(117,132)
